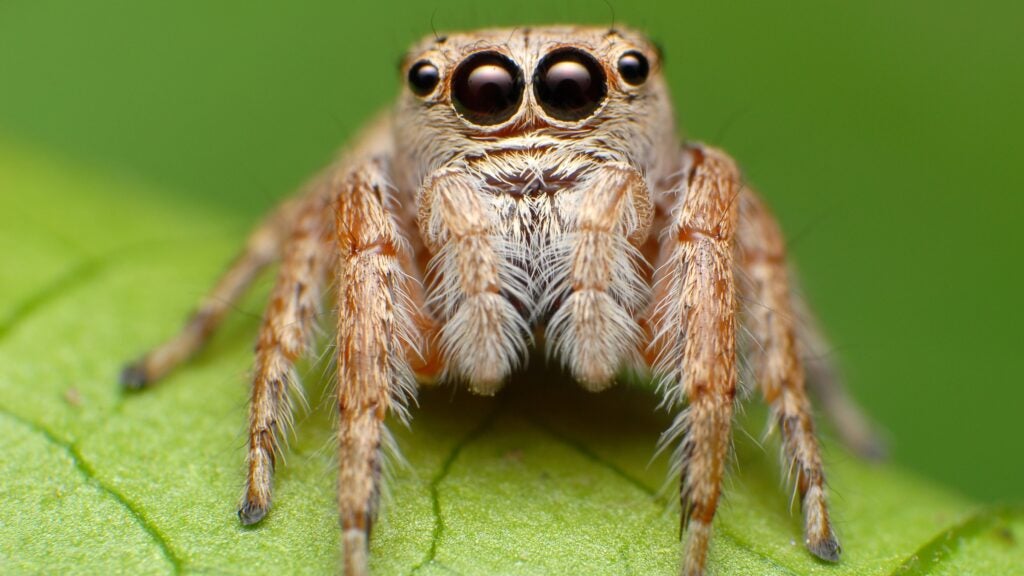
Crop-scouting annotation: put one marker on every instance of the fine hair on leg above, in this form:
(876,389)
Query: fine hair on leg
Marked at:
(594,277)
(694,338)
(375,335)
(483,336)
(287,328)
(778,368)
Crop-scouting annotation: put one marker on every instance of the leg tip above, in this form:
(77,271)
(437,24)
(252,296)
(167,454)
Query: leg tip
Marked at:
(134,377)
(250,513)
(826,548)
(873,449)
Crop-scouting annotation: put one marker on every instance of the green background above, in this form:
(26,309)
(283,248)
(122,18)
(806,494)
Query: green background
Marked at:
(886,135)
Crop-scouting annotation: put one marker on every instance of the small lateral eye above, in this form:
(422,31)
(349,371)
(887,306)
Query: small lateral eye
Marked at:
(570,84)
(634,68)
(423,78)
(487,88)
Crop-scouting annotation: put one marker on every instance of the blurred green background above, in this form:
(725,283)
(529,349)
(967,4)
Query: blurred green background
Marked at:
(885,134)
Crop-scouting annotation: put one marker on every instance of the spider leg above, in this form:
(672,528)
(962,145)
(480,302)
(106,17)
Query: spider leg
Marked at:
(287,328)
(261,249)
(482,335)
(825,384)
(375,335)
(595,269)
(778,367)
(693,347)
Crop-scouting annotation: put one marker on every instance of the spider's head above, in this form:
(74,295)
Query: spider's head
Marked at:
(485,91)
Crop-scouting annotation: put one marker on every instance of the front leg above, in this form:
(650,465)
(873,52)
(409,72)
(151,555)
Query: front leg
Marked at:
(595,276)
(375,335)
(482,336)
(693,349)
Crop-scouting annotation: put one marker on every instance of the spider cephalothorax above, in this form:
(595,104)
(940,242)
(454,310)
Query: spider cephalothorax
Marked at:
(528,182)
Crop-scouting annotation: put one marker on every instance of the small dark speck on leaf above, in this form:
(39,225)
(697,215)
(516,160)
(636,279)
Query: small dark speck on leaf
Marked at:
(73,397)
(1005,535)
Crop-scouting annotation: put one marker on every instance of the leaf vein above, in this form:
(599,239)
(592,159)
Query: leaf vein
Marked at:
(942,547)
(85,468)
(435,487)
(615,469)
(77,276)
(594,457)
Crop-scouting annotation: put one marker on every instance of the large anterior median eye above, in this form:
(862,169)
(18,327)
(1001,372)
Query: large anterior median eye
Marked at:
(487,88)
(570,84)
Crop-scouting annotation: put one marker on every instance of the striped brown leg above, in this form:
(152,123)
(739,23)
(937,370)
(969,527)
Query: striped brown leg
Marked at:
(778,367)
(284,335)
(694,338)
(375,332)
(262,248)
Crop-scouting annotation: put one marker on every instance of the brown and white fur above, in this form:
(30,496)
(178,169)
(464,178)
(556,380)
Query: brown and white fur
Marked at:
(451,244)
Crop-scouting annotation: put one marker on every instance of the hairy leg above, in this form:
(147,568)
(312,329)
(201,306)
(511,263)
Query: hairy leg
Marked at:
(778,367)
(375,334)
(482,336)
(694,338)
(596,270)
(284,336)
(262,248)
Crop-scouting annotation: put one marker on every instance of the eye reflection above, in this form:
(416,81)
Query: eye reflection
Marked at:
(487,88)
(570,84)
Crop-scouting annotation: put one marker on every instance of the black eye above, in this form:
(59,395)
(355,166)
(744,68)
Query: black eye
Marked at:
(570,84)
(633,67)
(487,88)
(423,77)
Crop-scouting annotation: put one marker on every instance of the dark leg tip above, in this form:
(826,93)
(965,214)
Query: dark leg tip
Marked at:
(873,450)
(827,548)
(133,376)
(250,514)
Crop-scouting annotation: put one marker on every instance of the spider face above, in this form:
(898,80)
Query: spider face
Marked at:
(536,132)
(553,88)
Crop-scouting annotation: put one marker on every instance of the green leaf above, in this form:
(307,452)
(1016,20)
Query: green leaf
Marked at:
(543,479)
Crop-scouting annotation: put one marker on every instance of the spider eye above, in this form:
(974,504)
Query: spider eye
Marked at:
(634,68)
(487,88)
(423,78)
(570,84)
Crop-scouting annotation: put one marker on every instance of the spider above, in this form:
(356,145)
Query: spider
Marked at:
(528,191)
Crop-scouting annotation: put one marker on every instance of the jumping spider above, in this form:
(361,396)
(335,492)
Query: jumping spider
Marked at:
(527,182)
